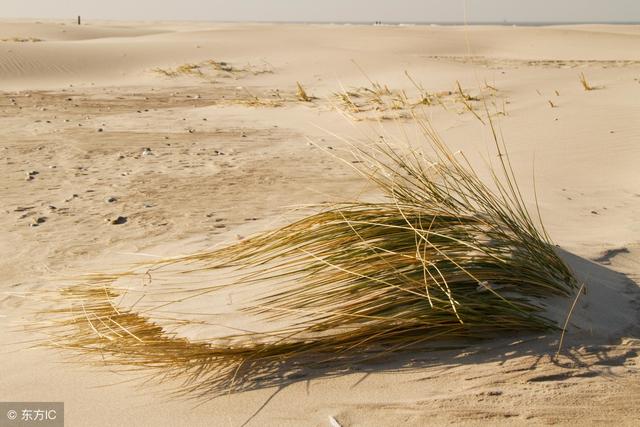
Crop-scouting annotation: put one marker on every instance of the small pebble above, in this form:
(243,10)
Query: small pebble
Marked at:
(119,220)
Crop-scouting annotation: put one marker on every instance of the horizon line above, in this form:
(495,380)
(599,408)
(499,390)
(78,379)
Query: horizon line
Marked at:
(368,22)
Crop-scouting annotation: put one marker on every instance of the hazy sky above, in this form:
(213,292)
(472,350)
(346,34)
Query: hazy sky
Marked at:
(330,10)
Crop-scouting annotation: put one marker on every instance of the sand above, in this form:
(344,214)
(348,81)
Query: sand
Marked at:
(228,154)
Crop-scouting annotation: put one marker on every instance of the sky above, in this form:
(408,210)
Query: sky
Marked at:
(331,10)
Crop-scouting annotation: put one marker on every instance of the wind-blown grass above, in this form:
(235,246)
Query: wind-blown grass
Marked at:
(585,84)
(380,102)
(302,94)
(210,69)
(445,256)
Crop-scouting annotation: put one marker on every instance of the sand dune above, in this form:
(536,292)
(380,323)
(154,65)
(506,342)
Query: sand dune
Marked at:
(228,155)
(94,54)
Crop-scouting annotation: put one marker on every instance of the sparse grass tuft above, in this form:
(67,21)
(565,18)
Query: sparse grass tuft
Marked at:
(465,99)
(445,256)
(189,69)
(221,66)
(585,84)
(346,100)
(380,102)
(425,98)
(182,70)
(211,69)
(301,93)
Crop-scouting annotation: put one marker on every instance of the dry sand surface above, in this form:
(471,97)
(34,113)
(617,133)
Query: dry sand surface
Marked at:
(114,149)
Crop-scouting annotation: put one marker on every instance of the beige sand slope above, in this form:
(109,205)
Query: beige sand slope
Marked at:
(230,155)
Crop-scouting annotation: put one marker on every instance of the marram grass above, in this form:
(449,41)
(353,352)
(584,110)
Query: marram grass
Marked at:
(445,257)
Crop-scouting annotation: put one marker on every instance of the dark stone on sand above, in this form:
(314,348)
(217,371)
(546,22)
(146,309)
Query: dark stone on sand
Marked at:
(119,220)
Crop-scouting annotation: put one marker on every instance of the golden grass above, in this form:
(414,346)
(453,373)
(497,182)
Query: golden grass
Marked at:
(211,69)
(189,69)
(585,84)
(379,101)
(446,256)
(466,99)
(374,102)
(222,66)
(301,93)
(425,98)
(182,70)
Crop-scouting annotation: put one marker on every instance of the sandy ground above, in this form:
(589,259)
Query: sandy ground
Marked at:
(99,122)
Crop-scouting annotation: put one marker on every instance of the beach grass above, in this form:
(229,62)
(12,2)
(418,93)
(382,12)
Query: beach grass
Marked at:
(302,94)
(585,84)
(445,255)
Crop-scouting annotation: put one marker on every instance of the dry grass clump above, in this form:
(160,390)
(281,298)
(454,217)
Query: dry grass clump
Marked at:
(212,69)
(222,66)
(346,100)
(182,70)
(424,97)
(379,101)
(374,99)
(466,99)
(445,256)
(302,94)
(585,84)
(189,69)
